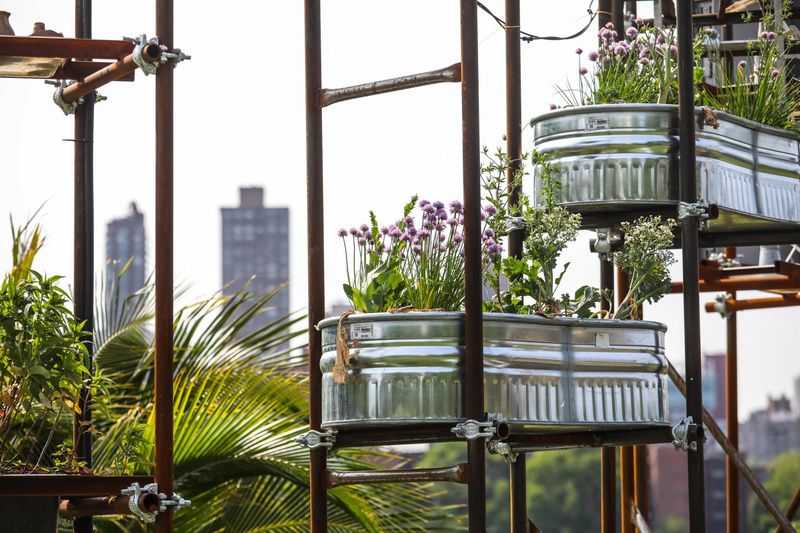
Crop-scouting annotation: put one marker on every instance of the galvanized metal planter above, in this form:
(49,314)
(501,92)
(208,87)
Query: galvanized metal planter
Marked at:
(625,157)
(542,375)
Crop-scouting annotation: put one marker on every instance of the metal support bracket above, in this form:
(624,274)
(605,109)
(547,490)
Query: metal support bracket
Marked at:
(150,67)
(700,210)
(499,447)
(68,109)
(134,493)
(608,241)
(472,429)
(721,305)
(316,439)
(686,434)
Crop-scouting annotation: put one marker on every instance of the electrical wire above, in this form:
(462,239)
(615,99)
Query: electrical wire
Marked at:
(529,37)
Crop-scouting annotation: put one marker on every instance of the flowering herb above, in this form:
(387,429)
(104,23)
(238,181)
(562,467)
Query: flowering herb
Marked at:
(645,257)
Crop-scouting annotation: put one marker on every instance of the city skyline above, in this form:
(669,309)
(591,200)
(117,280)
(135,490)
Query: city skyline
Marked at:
(126,247)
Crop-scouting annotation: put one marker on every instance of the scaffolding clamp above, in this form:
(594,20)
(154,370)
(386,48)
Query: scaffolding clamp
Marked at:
(499,447)
(135,492)
(68,109)
(150,67)
(699,210)
(686,434)
(316,439)
(472,429)
(721,305)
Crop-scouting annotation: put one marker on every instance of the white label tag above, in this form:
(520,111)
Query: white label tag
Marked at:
(597,122)
(601,340)
(360,332)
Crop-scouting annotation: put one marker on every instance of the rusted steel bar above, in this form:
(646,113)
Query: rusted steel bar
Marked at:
(316,257)
(626,492)
(455,474)
(589,439)
(794,505)
(732,306)
(399,435)
(689,243)
(78,70)
(513,115)
(518,494)
(618,15)
(731,413)
(765,282)
(112,72)
(105,505)
(641,480)
(608,456)
(66,485)
(451,74)
(83,252)
(640,520)
(64,48)
(736,457)
(164,267)
(473,279)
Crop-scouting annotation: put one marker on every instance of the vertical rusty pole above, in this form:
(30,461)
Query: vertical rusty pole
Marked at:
(316,257)
(83,259)
(618,16)
(626,478)
(641,469)
(732,413)
(163,266)
(608,459)
(689,243)
(516,470)
(603,12)
(473,279)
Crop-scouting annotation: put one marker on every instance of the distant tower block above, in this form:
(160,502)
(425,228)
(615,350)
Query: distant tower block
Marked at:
(125,240)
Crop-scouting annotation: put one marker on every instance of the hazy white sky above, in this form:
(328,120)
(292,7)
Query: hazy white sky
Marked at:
(239,120)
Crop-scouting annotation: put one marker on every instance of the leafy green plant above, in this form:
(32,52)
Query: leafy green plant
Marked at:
(645,257)
(42,362)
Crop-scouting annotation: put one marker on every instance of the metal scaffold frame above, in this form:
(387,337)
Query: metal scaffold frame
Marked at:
(633,483)
(91,495)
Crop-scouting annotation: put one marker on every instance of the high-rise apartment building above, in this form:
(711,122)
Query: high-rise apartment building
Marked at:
(125,241)
(255,250)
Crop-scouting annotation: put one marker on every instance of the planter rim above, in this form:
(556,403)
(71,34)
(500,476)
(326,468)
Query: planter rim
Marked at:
(496,317)
(672,108)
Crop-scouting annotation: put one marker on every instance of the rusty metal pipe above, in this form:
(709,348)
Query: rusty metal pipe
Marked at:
(112,72)
(513,115)
(451,74)
(768,282)
(732,306)
(731,413)
(793,507)
(641,480)
(738,461)
(454,474)
(64,48)
(608,456)
(106,505)
(626,488)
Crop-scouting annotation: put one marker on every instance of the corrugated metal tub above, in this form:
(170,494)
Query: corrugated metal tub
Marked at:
(540,374)
(625,157)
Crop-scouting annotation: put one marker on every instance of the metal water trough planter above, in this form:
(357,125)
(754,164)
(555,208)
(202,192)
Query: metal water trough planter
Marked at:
(541,375)
(624,157)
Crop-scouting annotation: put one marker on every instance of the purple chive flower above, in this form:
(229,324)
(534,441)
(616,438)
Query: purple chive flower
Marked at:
(632,32)
(488,242)
(438,205)
(742,65)
(456,207)
(603,33)
(364,228)
(775,73)
(442,237)
(553,106)
(409,220)
(423,234)
(673,49)
(489,232)
(489,209)
(395,233)
(384,230)
(429,209)
(423,203)
(593,55)
(763,35)
(614,35)
(644,61)
(404,237)
(584,70)
(483,216)
(452,222)
(441,214)
(579,50)
(461,253)
(457,238)
(621,49)
(353,232)
(442,248)
(770,35)
(660,39)
(416,249)
(362,241)
(415,240)
(411,231)
(610,25)
(495,249)
(342,233)
(638,21)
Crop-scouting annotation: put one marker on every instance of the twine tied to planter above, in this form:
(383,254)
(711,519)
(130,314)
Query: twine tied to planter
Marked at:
(342,351)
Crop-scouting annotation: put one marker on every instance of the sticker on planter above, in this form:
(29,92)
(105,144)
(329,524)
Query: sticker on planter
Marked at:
(602,340)
(361,332)
(597,122)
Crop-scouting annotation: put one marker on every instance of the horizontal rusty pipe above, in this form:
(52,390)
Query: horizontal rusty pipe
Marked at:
(112,72)
(106,505)
(731,451)
(768,282)
(64,48)
(455,474)
(451,74)
(732,306)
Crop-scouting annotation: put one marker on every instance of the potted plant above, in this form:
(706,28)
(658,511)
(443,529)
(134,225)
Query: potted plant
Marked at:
(42,369)
(551,363)
(615,141)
